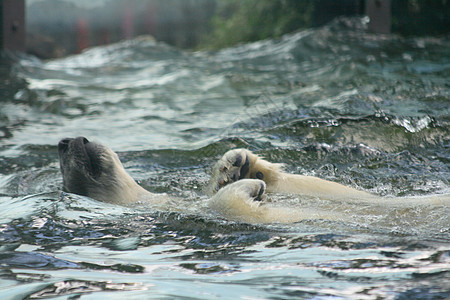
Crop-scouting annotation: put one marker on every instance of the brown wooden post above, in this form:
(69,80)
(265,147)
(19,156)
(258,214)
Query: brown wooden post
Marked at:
(379,12)
(12,25)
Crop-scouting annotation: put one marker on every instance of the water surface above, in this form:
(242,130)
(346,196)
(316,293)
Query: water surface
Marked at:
(369,111)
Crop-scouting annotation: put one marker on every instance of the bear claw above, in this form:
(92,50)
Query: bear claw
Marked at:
(260,195)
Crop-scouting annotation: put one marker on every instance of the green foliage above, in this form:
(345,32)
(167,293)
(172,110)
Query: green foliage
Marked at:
(238,21)
(252,20)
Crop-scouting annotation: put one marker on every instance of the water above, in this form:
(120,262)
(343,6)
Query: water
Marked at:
(364,110)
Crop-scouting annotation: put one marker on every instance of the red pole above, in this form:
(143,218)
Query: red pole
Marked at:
(82,35)
(128,23)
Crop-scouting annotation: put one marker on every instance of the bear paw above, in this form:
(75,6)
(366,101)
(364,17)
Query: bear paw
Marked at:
(255,189)
(243,192)
(233,166)
(241,201)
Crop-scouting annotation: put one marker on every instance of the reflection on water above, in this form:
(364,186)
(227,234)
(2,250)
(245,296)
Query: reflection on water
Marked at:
(364,110)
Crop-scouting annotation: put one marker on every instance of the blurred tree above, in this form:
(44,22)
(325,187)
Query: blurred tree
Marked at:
(250,20)
(238,21)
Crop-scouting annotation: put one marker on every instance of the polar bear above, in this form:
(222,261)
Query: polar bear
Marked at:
(237,188)
(316,198)
(94,170)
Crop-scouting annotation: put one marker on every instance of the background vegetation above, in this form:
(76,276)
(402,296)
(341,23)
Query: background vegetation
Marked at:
(250,20)
(238,21)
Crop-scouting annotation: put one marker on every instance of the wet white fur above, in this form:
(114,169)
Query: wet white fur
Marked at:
(317,198)
(117,186)
(236,202)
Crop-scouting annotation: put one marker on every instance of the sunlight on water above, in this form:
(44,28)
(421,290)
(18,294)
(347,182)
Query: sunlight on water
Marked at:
(363,110)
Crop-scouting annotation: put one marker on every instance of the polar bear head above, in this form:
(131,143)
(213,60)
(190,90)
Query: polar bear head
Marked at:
(94,170)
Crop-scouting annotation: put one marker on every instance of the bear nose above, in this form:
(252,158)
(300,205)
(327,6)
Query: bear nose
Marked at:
(83,140)
(64,144)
